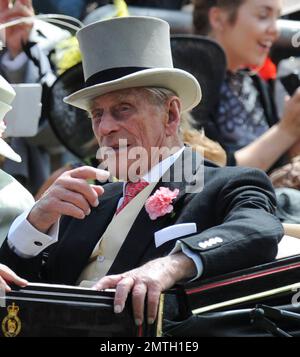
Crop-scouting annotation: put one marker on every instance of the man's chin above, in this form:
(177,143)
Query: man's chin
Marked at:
(126,170)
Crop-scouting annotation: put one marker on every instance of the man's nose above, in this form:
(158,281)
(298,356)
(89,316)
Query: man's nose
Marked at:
(107,124)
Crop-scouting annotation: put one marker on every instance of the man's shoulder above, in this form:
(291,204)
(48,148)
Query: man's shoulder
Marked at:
(215,176)
(233,172)
(213,168)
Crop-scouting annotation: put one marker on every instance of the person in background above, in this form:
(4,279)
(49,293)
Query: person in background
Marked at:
(246,123)
(74,8)
(24,59)
(14,198)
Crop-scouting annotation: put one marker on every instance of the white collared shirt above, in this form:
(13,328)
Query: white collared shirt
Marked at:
(28,242)
(156,172)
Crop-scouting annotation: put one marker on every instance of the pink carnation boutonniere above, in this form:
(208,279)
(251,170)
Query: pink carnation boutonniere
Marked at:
(160,203)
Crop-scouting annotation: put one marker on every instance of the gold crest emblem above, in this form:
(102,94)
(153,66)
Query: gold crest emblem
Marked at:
(11,324)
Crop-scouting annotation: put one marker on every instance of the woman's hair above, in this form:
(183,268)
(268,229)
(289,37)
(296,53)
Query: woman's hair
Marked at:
(201,13)
(159,96)
(198,141)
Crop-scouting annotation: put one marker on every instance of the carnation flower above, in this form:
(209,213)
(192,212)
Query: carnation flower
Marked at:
(160,203)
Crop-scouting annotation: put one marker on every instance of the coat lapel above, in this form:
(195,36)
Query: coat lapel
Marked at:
(186,174)
(140,239)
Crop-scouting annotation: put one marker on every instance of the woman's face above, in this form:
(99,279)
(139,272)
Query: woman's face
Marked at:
(248,40)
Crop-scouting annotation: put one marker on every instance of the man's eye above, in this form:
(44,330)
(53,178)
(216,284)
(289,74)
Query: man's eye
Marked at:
(124,108)
(96,116)
(122,111)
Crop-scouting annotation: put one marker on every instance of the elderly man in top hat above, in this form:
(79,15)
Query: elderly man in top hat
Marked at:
(177,217)
(14,198)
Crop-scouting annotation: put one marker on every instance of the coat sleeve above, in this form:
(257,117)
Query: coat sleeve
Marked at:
(249,232)
(29,269)
(32,269)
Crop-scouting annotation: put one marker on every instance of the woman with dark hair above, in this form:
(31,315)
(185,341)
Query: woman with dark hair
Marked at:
(246,123)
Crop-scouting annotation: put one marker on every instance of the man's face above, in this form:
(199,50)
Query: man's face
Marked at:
(128,126)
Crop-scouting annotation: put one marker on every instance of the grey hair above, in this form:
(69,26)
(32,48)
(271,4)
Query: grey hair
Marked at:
(159,96)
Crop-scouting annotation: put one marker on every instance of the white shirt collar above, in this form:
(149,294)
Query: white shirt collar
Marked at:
(159,169)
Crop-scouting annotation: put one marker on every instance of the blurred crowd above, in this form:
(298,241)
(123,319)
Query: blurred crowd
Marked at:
(79,8)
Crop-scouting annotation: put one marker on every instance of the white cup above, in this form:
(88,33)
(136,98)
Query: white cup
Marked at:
(23,119)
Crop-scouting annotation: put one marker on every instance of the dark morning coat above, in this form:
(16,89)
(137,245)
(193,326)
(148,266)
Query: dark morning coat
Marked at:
(236,204)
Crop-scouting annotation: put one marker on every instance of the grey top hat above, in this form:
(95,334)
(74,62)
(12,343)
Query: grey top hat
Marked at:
(130,52)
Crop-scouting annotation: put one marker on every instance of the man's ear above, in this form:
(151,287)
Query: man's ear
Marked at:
(173,119)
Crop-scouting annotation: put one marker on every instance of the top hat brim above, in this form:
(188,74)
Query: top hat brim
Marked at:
(181,82)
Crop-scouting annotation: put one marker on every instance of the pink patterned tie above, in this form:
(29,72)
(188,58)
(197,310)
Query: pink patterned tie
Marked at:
(131,190)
